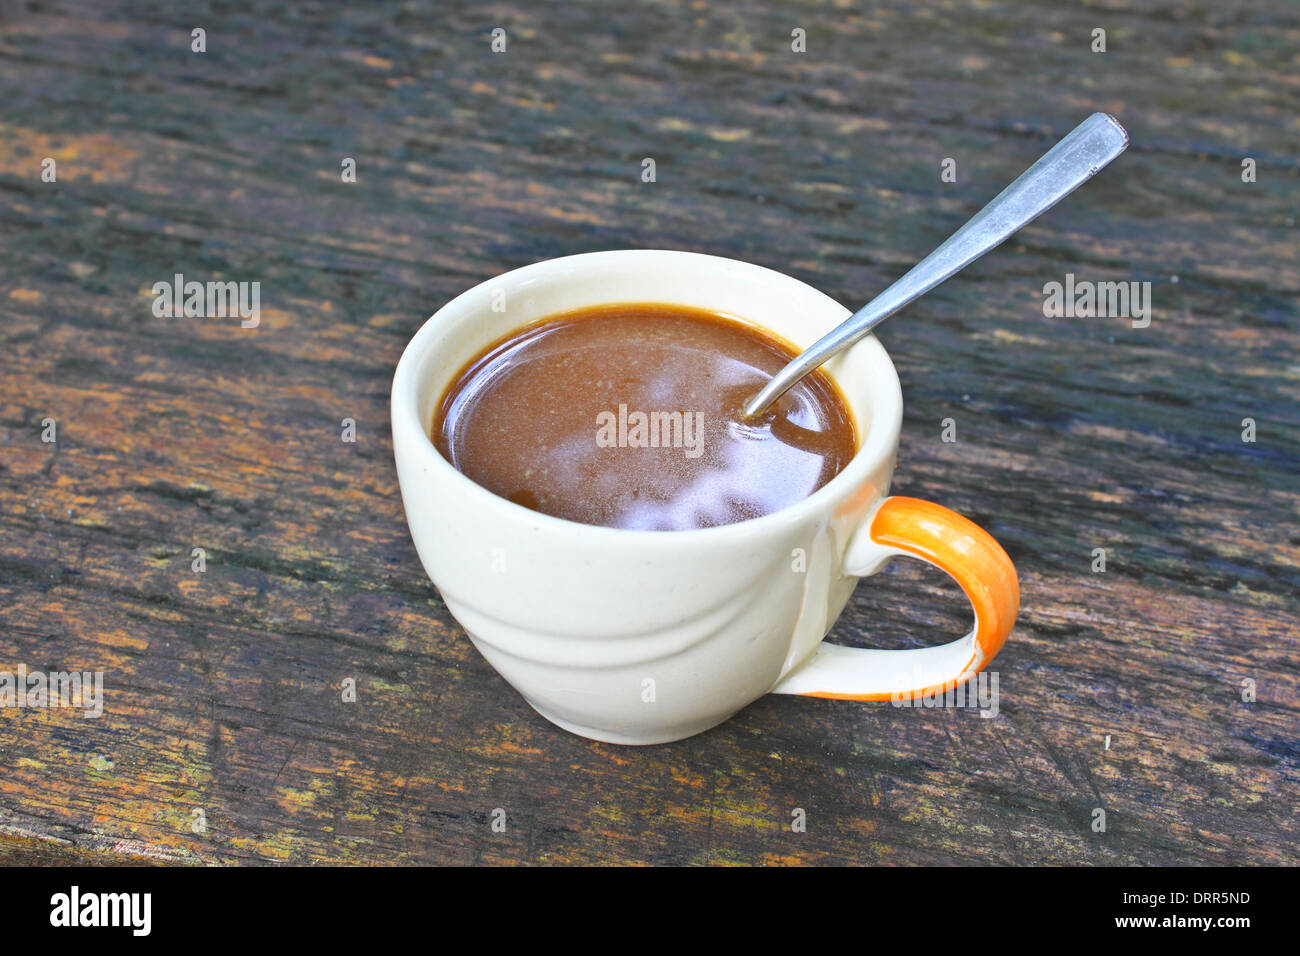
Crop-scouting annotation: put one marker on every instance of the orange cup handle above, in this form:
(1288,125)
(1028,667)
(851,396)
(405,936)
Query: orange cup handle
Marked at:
(922,529)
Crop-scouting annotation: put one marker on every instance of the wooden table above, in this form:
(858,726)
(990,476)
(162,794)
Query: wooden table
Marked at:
(225,736)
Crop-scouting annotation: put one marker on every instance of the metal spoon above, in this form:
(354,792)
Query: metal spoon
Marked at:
(1062,169)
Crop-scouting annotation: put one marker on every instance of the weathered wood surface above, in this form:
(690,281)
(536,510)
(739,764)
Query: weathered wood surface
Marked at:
(223,688)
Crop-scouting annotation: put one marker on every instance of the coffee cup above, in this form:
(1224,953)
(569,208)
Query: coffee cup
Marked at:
(644,637)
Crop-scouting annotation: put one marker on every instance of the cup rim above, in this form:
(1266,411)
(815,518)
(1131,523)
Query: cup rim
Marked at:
(879,441)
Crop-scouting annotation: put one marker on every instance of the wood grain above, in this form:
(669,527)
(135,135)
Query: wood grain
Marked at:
(224,688)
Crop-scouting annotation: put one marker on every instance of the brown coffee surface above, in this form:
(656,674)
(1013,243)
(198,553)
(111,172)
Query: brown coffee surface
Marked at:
(564,417)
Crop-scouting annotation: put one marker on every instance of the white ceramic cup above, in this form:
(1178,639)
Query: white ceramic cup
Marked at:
(642,637)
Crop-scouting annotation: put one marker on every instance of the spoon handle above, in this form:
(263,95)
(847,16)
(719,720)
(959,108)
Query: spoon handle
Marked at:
(1062,169)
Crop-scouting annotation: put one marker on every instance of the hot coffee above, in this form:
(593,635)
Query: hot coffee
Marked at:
(629,416)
